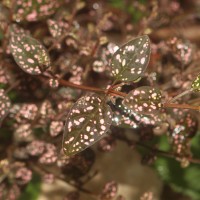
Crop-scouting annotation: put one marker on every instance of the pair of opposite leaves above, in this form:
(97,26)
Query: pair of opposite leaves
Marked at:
(90,117)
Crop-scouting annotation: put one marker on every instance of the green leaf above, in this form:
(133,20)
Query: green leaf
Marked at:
(130,61)
(183,180)
(135,13)
(5,104)
(29,54)
(34,10)
(195,148)
(144,100)
(87,122)
(196,84)
(32,190)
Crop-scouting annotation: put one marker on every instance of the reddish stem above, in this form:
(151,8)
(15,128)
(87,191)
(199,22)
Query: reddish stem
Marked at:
(122,95)
(92,89)
(181,106)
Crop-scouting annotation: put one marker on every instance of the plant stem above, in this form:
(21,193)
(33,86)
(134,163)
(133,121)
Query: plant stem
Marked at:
(14,85)
(158,152)
(122,95)
(42,171)
(92,54)
(180,95)
(165,153)
(181,106)
(92,89)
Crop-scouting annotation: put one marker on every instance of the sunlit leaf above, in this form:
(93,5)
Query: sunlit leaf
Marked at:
(5,104)
(130,60)
(29,54)
(144,100)
(87,122)
(196,84)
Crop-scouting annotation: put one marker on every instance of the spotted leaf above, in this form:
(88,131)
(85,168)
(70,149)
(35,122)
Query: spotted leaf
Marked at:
(180,144)
(109,191)
(144,100)
(125,117)
(130,61)
(4,104)
(54,28)
(196,84)
(34,10)
(29,54)
(186,121)
(87,122)
(181,49)
(15,29)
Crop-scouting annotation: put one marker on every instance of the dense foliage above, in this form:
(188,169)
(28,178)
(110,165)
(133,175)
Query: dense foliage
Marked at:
(76,75)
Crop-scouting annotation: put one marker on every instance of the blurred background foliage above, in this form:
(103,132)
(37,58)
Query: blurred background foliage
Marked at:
(126,7)
(182,180)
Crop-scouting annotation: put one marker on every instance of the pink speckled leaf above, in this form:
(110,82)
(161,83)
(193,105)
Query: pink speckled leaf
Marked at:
(130,60)
(109,191)
(54,28)
(34,10)
(5,104)
(196,84)
(87,122)
(29,54)
(144,100)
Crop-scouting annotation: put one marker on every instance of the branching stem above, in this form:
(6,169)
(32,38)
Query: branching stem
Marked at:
(92,89)
(180,95)
(158,152)
(122,95)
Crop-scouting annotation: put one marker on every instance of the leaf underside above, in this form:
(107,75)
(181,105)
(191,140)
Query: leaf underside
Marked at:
(130,61)
(144,100)
(87,122)
(29,54)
